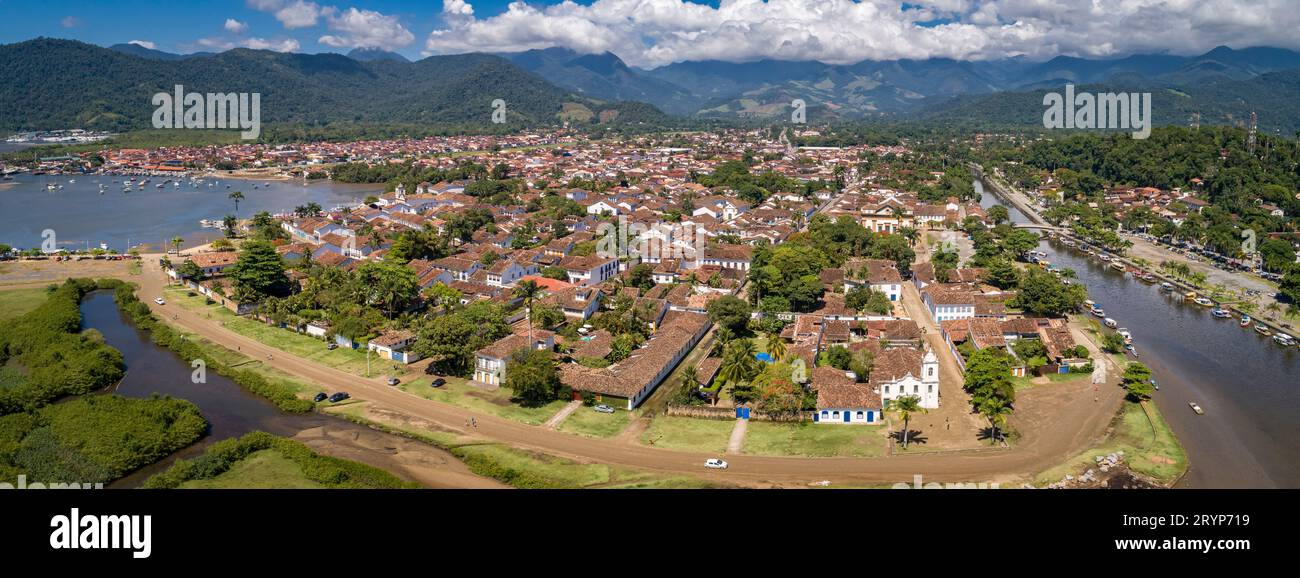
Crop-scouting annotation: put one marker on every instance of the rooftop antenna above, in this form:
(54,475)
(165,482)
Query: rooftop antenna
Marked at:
(1252,135)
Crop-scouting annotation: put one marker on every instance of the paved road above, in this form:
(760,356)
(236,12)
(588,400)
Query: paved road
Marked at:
(1055,422)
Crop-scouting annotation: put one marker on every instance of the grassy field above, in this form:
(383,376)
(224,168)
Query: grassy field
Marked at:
(16,302)
(1149,447)
(527,469)
(1028,382)
(684,433)
(591,423)
(305,346)
(244,362)
(260,470)
(458,392)
(813,440)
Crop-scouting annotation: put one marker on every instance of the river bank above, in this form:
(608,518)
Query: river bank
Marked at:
(231,412)
(1241,380)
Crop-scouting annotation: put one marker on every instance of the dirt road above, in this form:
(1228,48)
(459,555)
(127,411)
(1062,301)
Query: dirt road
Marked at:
(1056,423)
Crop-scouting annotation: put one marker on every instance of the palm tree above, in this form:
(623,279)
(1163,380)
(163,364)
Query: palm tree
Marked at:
(1273,309)
(528,291)
(899,213)
(912,235)
(236,196)
(690,383)
(721,338)
(775,346)
(176,244)
(905,406)
(737,362)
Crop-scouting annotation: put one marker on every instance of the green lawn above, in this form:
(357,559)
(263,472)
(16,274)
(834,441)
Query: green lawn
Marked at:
(529,469)
(15,303)
(238,360)
(814,440)
(350,360)
(457,391)
(1150,448)
(684,433)
(589,422)
(261,469)
(1028,382)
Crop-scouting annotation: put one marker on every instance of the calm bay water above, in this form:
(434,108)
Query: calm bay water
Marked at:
(80,216)
(1248,386)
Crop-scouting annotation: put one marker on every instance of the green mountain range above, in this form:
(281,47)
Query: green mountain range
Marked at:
(52,84)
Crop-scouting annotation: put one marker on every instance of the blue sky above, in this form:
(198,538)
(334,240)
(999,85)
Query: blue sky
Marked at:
(179,25)
(651,33)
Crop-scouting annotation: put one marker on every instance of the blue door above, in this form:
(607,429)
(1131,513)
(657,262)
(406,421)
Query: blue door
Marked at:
(847,416)
(742,413)
(816,417)
(871,417)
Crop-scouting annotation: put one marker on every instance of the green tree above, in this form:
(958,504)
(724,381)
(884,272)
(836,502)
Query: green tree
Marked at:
(1112,343)
(1043,293)
(865,298)
(906,405)
(388,285)
(1137,380)
(1002,273)
(730,312)
(532,377)
(259,273)
(775,346)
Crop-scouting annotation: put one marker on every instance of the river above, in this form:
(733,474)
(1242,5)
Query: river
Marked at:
(232,411)
(1248,386)
(81,217)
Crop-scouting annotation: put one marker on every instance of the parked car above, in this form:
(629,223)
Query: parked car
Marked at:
(392,381)
(438,382)
(431,371)
(340,396)
(322,396)
(332,346)
(716,464)
(159,300)
(602,408)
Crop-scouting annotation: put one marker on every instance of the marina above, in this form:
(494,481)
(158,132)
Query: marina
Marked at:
(1249,383)
(86,212)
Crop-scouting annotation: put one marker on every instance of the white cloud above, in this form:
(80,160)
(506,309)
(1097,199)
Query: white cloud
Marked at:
(223,44)
(70,22)
(293,14)
(144,43)
(235,27)
(366,29)
(658,32)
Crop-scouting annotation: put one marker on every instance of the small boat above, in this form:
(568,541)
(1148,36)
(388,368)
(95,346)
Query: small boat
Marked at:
(1203,302)
(1116,265)
(1195,408)
(1190,295)
(1284,340)
(1166,287)
(1111,323)
(1099,313)
(1155,384)
(1220,313)
(1245,320)
(1263,330)
(1124,332)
